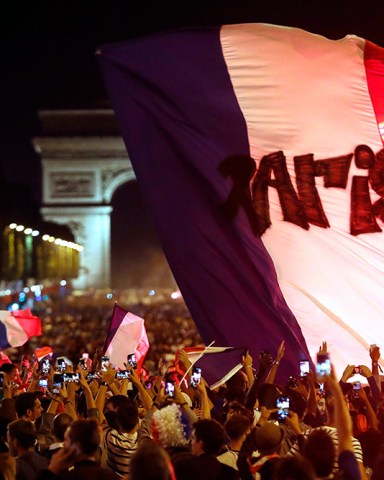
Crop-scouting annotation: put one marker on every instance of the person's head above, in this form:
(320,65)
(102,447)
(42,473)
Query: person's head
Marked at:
(268,395)
(294,468)
(268,438)
(28,406)
(21,436)
(319,449)
(83,436)
(208,436)
(112,419)
(237,426)
(236,408)
(151,462)
(10,371)
(238,381)
(116,401)
(60,424)
(371,442)
(128,417)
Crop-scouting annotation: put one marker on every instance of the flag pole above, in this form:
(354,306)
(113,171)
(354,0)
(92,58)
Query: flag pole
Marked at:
(198,358)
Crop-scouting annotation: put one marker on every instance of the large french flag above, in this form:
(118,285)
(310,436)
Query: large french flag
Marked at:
(17,327)
(258,150)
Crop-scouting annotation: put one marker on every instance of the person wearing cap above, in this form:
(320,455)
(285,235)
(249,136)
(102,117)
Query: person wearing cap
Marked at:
(260,452)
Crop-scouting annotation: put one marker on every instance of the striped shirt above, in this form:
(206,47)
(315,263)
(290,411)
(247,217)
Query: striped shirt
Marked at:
(332,432)
(119,448)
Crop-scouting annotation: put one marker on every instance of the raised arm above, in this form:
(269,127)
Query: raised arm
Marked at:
(353,470)
(275,365)
(144,396)
(265,361)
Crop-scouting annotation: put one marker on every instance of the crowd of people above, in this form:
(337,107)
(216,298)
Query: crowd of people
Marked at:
(87,419)
(83,328)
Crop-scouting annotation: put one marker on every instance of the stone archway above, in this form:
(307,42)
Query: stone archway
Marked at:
(84,161)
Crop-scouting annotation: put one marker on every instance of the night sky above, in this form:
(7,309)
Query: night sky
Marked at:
(48,62)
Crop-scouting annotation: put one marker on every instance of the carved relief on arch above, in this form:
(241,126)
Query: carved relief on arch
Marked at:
(113,178)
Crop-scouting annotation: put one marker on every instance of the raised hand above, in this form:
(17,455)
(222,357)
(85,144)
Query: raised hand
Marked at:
(183,358)
(374,353)
(247,360)
(365,371)
(323,349)
(109,375)
(348,373)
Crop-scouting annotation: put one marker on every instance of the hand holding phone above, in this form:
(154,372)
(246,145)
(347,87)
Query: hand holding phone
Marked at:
(71,377)
(282,404)
(304,368)
(356,385)
(61,365)
(323,365)
(45,365)
(170,388)
(92,376)
(104,363)
(195,376)
(58,380)
(131,358)
(43,383)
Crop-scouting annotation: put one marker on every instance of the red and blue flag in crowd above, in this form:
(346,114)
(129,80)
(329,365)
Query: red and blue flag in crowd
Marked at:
(258,149)
(218,364)
(17,327)
(126,335)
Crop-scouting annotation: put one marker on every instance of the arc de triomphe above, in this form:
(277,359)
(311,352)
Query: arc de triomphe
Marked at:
(84,161)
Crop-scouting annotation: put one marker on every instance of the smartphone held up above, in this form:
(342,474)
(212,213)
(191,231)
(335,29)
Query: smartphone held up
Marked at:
(282,405)
(195,377)
(131,360)
(323,365)
(170,388)
(105,363)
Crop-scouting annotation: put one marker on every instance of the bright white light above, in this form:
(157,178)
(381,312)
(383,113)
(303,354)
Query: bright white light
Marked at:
(45,237)
(7,292)
(175,295)
(28,231)
(109,296)
(151,293)
(19,228)
(13,226)
(51,239)
(58,241)
(14,307)
(35,233)
(26,290)
(63,283)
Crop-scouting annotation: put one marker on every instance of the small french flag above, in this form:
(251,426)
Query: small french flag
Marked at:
(126,335)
